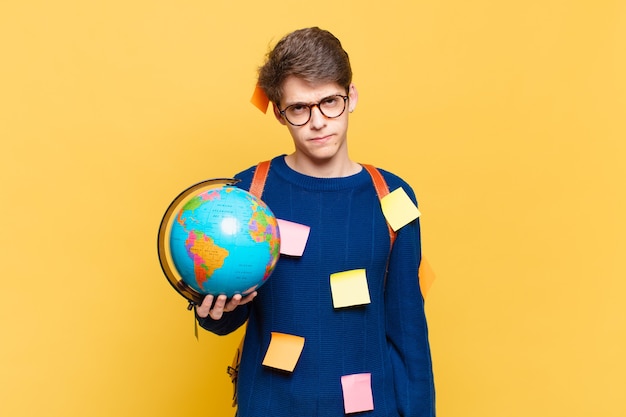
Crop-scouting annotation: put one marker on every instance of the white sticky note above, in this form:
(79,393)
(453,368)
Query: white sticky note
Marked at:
(349,288)
(293,237)
(399,209)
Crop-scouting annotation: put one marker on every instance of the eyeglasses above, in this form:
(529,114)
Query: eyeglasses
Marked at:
(299,114)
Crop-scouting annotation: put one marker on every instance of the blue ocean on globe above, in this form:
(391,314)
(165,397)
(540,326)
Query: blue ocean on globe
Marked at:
(224,241)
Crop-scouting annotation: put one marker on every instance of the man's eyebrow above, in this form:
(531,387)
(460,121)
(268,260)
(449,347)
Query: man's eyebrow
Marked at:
(287,104)
(297,102)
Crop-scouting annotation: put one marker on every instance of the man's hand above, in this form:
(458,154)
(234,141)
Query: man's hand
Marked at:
(222,304)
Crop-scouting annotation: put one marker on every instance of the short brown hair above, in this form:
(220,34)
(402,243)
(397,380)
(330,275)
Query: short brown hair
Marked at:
(312,54)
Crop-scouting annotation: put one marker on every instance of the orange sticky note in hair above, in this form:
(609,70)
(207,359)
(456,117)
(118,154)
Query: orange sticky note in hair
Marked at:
(259,99)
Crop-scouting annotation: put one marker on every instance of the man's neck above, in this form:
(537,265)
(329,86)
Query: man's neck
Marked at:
(322,169)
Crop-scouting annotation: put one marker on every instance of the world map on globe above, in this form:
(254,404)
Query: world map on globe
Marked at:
(218,240)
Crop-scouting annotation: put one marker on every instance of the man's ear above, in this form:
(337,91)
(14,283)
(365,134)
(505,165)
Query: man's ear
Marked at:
(277,114)
(354,98)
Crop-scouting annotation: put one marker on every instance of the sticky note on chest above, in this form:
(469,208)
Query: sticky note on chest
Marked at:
(293,237)
(349,288)
(399,209)
(357,393)
(284,351)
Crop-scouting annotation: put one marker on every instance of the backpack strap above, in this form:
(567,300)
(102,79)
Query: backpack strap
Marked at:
(382,190)
(258,180)
(425,274)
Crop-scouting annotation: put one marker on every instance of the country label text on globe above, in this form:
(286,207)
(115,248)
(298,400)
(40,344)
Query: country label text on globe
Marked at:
(224,241)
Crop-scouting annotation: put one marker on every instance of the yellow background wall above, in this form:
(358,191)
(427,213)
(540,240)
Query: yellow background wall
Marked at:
(507,117)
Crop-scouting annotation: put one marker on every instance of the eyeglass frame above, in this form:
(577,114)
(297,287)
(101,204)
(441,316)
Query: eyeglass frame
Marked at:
(310,106)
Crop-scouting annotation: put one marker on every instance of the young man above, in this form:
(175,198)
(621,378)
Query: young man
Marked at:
(308,79)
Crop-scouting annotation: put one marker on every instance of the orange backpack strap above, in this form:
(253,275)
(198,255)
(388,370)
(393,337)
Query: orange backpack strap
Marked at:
(425,274)
(258,180)
(382,190)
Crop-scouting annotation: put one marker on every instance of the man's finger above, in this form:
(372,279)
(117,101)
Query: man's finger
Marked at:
(233,302)
(218,308)
(203,309)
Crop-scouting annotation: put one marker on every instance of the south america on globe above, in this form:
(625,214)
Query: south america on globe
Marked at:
(217,239)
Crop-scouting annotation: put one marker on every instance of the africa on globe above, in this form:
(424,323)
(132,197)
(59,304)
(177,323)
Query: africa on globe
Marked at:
(217,239)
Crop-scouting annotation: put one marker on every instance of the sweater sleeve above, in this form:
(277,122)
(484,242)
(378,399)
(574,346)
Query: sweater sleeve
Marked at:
(229,322)
(407,330)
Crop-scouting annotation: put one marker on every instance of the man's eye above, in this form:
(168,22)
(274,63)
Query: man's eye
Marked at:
(298,108)
(330,101)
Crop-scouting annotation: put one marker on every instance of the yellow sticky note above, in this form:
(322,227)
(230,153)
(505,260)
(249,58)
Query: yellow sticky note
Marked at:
(349,288)
(399,209)
(259,99)
(426,277)
(284,351)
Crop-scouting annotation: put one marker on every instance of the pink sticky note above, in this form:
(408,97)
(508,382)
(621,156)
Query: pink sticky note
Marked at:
(293,237)
(357,393)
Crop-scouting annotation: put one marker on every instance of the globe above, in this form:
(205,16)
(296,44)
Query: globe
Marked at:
(217,239)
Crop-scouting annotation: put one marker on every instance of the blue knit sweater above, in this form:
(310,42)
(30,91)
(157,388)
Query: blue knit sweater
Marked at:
(387,338)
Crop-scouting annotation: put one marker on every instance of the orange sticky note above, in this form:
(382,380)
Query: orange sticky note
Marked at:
(349,288)
(259,99)
(426,276)
(399,209)
(284,351)
(357,393)
(293,237)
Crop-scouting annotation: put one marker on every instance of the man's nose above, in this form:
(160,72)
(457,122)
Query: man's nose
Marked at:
(317,117)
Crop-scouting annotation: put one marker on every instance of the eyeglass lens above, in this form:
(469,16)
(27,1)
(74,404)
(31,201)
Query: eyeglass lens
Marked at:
(299,114)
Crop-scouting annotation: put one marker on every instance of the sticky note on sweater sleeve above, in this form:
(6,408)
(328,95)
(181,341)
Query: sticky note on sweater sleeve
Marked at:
(399,209)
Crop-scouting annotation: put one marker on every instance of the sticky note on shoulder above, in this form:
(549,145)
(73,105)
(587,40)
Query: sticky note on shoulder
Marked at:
(399,209)
(349,288)
(284,351)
